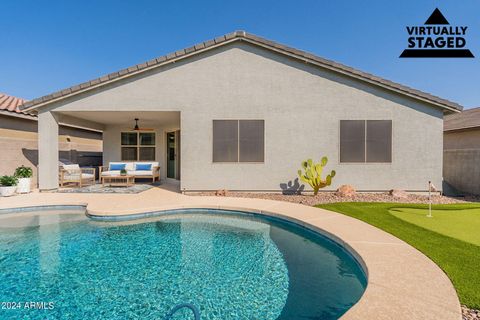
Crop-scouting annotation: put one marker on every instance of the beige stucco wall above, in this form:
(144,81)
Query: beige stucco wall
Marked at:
(462,160)
(301,105)
(467,139)
(19,145)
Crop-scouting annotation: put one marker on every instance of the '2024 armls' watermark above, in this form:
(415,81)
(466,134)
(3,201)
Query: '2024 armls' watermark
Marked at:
(27,305)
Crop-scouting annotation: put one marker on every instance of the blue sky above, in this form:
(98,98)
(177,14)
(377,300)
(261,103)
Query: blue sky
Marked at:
(51,45)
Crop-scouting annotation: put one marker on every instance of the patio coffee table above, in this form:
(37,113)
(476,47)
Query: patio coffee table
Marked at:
(119,181)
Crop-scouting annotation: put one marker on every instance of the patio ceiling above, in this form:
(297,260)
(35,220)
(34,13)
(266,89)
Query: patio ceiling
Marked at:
(99,119)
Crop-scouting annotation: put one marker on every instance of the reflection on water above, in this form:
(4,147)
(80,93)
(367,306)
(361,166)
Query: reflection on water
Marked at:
(318,267)
(46,228)
(49,238)
(29,219)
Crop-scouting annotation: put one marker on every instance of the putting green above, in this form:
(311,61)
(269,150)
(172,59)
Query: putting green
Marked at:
(460,224)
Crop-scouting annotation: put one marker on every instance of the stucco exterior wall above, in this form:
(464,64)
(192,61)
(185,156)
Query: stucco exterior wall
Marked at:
(19,145)
(461,155)
(467,139)
(302,106)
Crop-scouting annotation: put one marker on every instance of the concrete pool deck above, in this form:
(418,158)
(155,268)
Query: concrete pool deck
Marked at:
(402,282)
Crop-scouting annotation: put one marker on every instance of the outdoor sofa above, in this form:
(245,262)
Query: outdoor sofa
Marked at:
(139,169)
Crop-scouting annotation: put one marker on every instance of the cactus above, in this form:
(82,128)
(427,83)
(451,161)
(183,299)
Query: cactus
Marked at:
(313,174)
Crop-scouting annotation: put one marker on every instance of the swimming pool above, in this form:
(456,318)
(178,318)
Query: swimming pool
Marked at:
(228,265)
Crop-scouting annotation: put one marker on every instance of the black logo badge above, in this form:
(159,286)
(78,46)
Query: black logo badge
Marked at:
(436,39)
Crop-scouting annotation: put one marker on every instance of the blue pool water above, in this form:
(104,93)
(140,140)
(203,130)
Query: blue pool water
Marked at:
(228,265)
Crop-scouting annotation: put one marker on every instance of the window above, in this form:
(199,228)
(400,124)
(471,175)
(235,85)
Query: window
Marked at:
(238,140)
(379,141)
(352,141)
(365,141)
(138,146)
(225,141)
(251,142)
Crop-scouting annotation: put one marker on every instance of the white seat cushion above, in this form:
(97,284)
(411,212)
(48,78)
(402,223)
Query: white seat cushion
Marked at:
(111,173)
(76,176)
(141,173)
(71,168)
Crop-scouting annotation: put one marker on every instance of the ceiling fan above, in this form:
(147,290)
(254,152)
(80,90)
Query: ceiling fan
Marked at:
(137,128)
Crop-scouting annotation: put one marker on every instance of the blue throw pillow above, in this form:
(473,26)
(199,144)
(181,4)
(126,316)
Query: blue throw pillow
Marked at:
(143,166)
(117,166)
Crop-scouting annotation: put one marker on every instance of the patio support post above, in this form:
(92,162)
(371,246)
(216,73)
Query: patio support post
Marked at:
(47,151)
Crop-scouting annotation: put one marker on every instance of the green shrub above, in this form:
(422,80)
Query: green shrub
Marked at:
(313,174)
(23,172)
(8,181)
(123,172)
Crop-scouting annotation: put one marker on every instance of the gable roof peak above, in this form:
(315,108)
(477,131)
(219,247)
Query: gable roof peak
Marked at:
(240,33)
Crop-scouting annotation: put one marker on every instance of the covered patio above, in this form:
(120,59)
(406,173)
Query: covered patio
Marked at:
(128,136)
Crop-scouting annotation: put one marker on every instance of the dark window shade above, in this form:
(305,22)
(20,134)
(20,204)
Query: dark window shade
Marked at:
(147,153)
(352,140)
(147,138)
(129,138)
(225,140)
(379,141)
(129,153)
(252,142)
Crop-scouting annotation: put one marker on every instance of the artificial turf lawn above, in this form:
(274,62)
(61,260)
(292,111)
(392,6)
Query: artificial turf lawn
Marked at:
(462,224)
(459,259)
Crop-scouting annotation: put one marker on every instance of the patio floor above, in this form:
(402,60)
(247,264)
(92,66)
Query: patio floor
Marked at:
(402,282)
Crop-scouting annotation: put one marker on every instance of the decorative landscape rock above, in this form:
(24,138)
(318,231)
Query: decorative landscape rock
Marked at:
(346,191)
(398,193)
(470,314)
(221,193)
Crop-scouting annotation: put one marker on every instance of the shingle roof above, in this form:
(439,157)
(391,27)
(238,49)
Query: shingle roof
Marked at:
(248,37)
(468,119)
(10,103)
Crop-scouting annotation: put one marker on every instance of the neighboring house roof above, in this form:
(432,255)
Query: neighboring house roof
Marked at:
(253,39)
(10,103)
(468,119)
(9,106)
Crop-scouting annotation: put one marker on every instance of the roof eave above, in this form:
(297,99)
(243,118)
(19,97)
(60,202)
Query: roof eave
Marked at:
(32,106)
(18,114)
(462,128)
(338,70)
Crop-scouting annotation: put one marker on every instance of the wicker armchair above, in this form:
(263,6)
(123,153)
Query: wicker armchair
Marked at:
(72,173)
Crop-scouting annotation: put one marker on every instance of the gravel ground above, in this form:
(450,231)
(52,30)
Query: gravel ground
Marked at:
(470,314)
(330,197)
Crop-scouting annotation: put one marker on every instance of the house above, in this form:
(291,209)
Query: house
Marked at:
(19,141)
(461,151)
(241,112)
